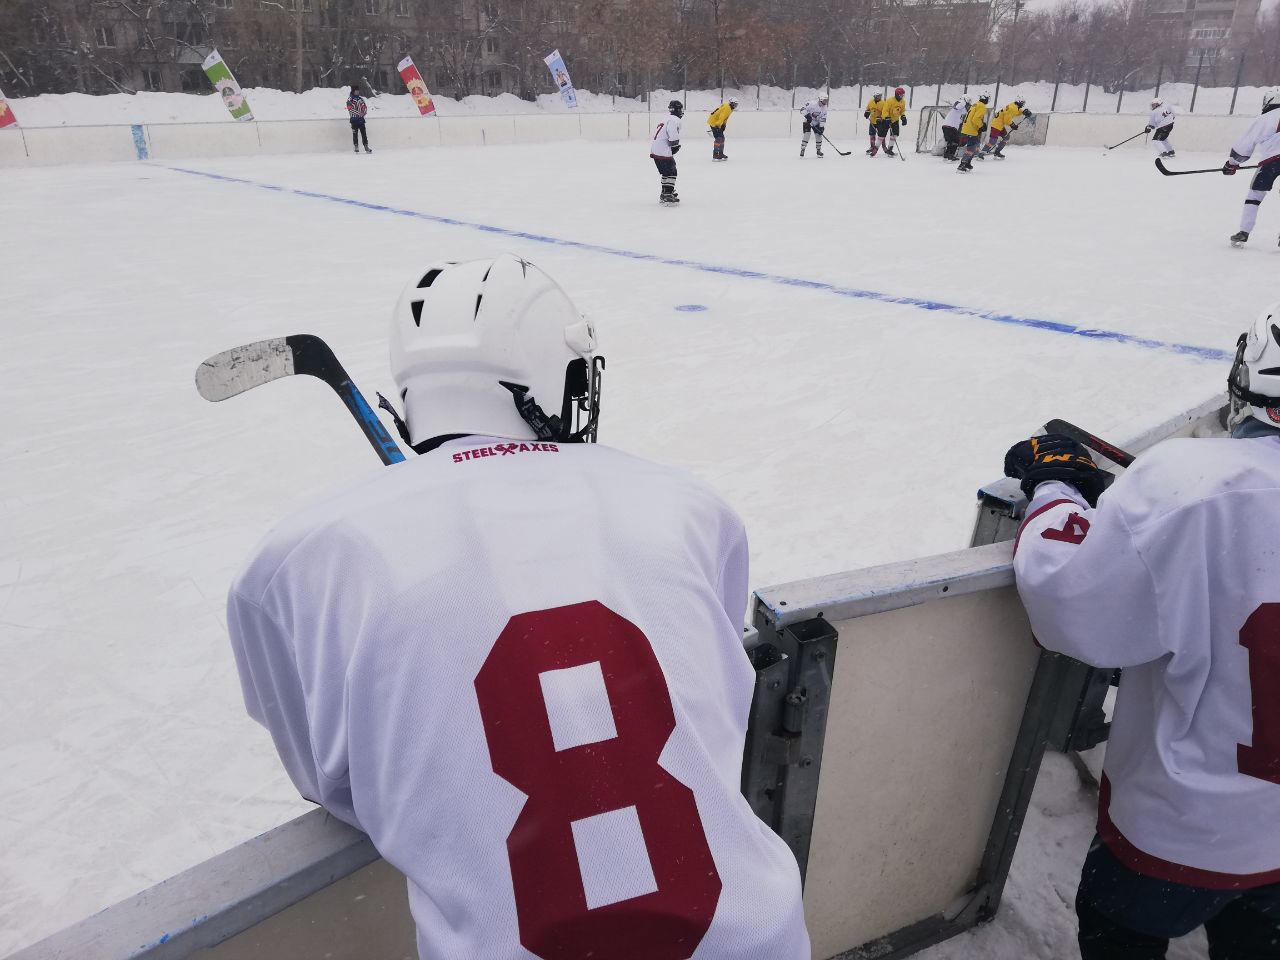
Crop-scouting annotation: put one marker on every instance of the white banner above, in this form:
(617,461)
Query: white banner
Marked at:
(560,74)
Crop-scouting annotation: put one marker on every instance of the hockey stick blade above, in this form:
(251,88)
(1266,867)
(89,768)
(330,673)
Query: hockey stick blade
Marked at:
(1109,450)
(239,369)
(1182,173)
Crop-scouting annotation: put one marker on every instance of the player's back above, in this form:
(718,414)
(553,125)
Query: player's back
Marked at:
(1179,585)
(522,675)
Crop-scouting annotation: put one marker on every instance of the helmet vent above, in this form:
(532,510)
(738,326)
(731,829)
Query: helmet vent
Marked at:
(479,297)
(1275,334)
(416,307)
(429,279)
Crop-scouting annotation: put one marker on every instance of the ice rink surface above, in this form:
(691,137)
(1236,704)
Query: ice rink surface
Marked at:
(844,347)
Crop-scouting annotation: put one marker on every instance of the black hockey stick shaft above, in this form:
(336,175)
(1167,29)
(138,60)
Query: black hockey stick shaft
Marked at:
(1097,444)
(1182,173)
(1123,142)
(239,369)
(832,146)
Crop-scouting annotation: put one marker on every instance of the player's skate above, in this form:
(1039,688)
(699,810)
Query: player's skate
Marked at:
(965,166)
(802,146)
(819,153)
(1240,238)
(368,150)
(889,152)
(1169,153)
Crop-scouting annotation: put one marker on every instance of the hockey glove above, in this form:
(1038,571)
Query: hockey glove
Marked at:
(866,114)
(1148,130)
(1013,126)
(675,148)
(1230,167)
(904,121)
(1054,457)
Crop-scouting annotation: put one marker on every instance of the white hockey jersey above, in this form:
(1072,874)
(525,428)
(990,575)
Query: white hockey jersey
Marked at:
(1162,116)
(815,113)
(665,137)
(518,667)
(955,116)
(1263,135)
(1176,578)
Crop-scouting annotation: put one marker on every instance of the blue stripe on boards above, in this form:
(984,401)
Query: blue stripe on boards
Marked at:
(1049,326)
(140,141)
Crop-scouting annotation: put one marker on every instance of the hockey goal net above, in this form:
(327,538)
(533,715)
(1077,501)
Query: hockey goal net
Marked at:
(929,137)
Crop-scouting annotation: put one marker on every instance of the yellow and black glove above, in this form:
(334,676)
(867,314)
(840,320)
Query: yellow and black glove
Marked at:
(1054,457)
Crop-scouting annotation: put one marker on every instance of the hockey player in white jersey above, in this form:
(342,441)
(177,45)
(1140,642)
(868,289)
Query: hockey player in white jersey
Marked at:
(1262,136)
(951,126)
(1173,574)
(663,150)
(1160,126)
(814,118)
(516,660)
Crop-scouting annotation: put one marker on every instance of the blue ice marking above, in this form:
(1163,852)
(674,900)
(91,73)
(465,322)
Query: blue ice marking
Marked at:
(1009,319)
(692,308)
(140,141)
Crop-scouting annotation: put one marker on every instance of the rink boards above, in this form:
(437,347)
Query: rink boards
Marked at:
(43,146)
(900,715)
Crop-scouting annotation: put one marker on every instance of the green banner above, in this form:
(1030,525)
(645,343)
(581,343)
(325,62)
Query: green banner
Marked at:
(220,76)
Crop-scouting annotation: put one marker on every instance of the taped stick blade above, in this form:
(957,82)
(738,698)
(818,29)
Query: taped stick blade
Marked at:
(234,371)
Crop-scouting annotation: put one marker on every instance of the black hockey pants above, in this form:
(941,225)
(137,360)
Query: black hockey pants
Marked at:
(1127,916)
(952,136)
(358,132)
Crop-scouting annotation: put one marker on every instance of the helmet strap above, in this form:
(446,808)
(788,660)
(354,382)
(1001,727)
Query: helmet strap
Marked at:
(581,395)
(402,428)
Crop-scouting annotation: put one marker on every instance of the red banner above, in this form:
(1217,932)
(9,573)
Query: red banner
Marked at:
(417,86)
(7,119)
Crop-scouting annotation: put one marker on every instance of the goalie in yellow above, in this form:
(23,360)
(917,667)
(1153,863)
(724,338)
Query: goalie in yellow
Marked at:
(1002,125)
(717,121)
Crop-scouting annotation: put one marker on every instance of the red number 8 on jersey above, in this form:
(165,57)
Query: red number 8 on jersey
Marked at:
(591,779)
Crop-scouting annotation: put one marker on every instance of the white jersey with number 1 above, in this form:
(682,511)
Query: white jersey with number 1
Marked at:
(518,667)
(1162,116)
(1176,578)
(666,137)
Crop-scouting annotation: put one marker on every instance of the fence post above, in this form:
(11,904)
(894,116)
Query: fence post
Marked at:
(1057,82)
(1120,99)
(1088,81)
(1159,78)
(937,99)
(1196,89)
(1239,71)
(995,101)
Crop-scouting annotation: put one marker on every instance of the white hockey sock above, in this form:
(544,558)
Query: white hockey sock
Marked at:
(1249,216)
(804,138)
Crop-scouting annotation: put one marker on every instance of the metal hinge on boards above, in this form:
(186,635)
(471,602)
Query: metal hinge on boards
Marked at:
(787,727)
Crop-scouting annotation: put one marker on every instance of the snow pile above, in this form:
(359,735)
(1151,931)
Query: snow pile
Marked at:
(78,109)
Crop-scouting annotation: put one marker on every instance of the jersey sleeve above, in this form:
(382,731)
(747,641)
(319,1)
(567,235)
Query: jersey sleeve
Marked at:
(1085,586)
(673,130)
(274,696)
(1243,148)
(732,583)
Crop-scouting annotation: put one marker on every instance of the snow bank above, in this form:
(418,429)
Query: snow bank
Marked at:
(78,109)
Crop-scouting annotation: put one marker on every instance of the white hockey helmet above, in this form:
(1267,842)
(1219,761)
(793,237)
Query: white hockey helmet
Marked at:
(1156,102)
(1270,99)
(967,98)
(1254,382)
(733,102)
(984,97)
(824,98)
(493,348)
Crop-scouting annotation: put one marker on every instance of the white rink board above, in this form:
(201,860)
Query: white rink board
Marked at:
(925,705)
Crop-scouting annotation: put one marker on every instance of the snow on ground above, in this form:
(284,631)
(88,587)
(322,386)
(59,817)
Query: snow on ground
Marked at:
(843,347)
(78,109)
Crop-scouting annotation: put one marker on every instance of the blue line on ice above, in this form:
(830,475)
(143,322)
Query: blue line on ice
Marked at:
(1051,326)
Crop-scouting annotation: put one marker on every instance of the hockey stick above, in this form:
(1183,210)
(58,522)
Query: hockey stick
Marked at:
(833,146)
(1123,142)
(1182,173)
(1097,444)
(239,369)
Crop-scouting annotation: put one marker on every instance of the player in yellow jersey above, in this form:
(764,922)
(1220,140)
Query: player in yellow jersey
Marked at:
(717,121)
(893,115)
(975,121)
(874,114)
(1002,125)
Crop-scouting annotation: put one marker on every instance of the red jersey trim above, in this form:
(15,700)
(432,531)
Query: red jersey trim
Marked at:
(1158,869)
(1035,513)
